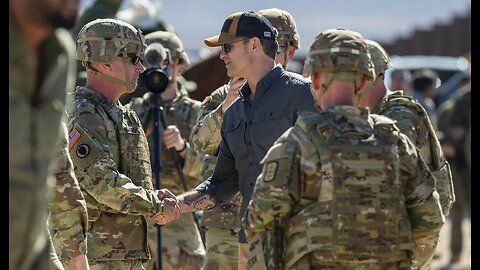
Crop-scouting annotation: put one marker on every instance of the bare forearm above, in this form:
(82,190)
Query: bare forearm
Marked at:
(194,201)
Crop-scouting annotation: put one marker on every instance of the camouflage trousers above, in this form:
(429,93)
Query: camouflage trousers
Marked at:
(182,246)
(116,265)
(222,249)
(310,261)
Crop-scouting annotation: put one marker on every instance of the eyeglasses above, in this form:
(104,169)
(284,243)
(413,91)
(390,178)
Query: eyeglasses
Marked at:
(282,47)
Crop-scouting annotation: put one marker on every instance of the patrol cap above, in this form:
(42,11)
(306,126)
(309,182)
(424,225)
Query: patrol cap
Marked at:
(380,58)
(285,25)
(171,42)
(339,51)
(243,24)
(102,40)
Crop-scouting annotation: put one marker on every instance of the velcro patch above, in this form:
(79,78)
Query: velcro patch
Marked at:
(82,150)
(270,171)
(73,137)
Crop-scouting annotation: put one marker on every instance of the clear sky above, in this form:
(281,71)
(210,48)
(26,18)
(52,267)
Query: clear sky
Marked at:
(382,20)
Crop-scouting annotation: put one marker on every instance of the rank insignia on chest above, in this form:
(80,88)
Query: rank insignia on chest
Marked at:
(270,171)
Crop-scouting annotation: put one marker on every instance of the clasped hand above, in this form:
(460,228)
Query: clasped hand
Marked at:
(171,209)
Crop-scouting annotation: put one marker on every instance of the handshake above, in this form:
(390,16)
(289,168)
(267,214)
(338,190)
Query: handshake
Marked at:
(171,208)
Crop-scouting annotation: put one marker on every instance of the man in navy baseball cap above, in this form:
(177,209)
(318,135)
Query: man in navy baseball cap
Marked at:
(243,25)
(268,104)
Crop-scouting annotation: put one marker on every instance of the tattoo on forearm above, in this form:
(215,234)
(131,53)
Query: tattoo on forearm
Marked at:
(198,201)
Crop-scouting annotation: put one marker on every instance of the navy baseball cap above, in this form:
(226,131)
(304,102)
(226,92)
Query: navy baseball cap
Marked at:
(240,25)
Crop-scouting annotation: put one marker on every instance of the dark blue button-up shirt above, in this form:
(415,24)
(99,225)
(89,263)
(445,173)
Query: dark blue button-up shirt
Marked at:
(249,129)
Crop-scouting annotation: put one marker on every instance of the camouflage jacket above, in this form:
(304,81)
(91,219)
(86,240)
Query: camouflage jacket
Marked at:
(205,136)
(298,174)
(68,209)
(112,164)
(413,121)
(36,104)
(181,112)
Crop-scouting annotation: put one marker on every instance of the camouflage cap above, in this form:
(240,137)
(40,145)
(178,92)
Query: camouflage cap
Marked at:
(102,40)
(171,42)
(339,51)
(285,25)
(380,57)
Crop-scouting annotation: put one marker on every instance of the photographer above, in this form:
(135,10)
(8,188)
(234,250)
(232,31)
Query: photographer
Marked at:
(182,246)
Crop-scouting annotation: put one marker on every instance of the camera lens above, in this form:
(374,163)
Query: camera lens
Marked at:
(156,80)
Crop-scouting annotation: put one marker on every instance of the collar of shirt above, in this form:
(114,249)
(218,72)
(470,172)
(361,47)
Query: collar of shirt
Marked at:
(97,96)
(264,84)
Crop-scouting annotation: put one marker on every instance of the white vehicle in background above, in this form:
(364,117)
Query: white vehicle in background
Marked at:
(451,71)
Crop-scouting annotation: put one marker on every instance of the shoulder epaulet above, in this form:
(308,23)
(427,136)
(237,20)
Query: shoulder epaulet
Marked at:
(307,118)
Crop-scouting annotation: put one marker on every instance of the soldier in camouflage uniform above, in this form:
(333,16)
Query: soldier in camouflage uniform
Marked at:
(182,246)
(41,72)
(346,186)
(412,120)
(68,211)
(110,151)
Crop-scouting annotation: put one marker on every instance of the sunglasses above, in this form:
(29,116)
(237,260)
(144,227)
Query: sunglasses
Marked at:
(228,46)
(281,48)
(134,58)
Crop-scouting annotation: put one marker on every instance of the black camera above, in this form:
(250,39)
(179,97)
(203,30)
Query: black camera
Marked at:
(156,79)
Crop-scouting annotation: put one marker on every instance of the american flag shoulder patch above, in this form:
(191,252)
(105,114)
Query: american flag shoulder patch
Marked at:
(73,137)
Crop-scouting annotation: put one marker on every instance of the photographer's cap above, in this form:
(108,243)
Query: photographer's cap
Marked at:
(243,24)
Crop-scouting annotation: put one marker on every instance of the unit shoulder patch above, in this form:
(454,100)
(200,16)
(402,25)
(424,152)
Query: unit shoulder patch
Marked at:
(270,171)
(82,150)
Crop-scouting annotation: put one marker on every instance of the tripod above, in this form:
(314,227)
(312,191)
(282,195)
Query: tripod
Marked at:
(159,118)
